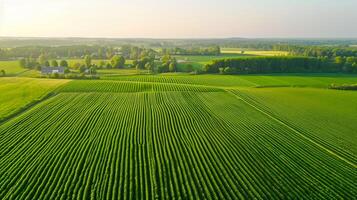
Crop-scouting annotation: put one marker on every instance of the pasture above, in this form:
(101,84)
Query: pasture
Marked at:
(248,52)
(177,136)
(11,68)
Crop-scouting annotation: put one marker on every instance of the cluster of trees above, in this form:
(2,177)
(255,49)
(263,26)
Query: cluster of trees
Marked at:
(347,64)
(136,53)
(77,51)
(278,64)
(216,50)
(168,64)
(41,61)
(318,51)
(145,62)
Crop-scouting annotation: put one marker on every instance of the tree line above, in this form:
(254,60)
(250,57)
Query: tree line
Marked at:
(215,50)
(77,51)
(100,52)
(276,64)
(318,51)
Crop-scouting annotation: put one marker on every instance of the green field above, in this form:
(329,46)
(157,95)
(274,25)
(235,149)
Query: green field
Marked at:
(234,81)
(309,111)
(199,61)
(17,93)
(11,68)
(253,52)
(176,136)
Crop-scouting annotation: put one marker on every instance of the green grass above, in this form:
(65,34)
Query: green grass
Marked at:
(253,52)
(11,67)
(17,93)
(177,136)
(199,61)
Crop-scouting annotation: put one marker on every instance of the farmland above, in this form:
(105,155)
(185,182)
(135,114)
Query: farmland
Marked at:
(11,67)
(253,52)
(183,136)
(232,81)
(18,93)
(178,100)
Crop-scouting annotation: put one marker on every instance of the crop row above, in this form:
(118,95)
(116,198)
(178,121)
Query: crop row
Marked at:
(129,86)
(184,145)
(308,80)
(303,109)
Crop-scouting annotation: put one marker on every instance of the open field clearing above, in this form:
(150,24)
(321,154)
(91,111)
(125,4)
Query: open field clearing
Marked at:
(208,59)
(11,67)
(206,145)
(253,53)
(199,61)
(17,93)
(327,116)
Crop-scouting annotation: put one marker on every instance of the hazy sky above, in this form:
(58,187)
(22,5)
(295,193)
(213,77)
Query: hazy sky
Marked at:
(179,18)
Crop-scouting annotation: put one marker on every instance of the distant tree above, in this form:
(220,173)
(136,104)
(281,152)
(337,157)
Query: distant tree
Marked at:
(101,64)
(108,66)
(54,63)
(189,68)
(148,66)
(93,70)
(339,60)
(2,73)
(47,63)
(64,63)
(31,63)
(172,67)
(354,67)
(228,70)
(221,70)
(23,63)
(117,61)
(42,59)
(88,60)
(350,60)
(166,58)
(135,63)
(82,68)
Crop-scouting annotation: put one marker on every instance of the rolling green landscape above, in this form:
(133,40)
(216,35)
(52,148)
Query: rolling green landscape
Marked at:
(178,100)
(215,119)
(179,136)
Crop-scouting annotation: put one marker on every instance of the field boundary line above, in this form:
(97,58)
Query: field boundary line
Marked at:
(293,129)
(27,107)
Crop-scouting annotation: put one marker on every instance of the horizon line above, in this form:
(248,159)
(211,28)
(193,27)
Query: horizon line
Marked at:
(174,38)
